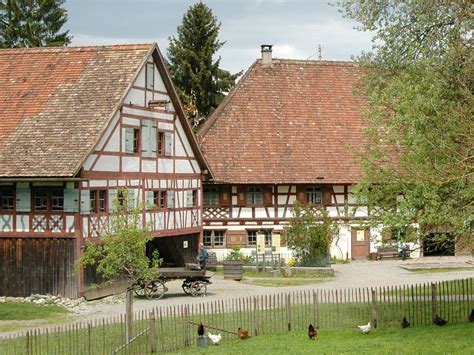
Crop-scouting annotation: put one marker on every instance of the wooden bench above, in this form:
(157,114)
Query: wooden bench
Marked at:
(391,252)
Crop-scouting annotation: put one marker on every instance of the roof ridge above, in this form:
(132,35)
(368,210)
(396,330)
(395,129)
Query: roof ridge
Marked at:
(91,48)
(311,61)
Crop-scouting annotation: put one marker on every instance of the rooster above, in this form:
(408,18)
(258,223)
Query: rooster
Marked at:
(243,334)
(365,328)
(440,321)
(312,332)
(405,323)
(214,338)
(471,316)
(200,329)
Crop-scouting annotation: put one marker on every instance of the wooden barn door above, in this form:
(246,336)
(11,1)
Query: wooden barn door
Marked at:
(360,243)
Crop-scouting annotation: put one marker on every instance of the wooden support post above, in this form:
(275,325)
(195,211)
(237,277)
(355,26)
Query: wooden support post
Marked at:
(374,310)
(27,352)
(434,310)
(288,311)
(152,332)
(128,315)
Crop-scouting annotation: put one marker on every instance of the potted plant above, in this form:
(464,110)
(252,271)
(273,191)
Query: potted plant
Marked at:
(234,265)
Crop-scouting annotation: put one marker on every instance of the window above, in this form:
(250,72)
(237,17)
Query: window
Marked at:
(49,200)
(160,146)
(121,199)
(214,238)
(314,195)
(6,199)
(98,201)
(131,140)
(150,76)
(159,199)
(255,196)
(252,236)
(211,196)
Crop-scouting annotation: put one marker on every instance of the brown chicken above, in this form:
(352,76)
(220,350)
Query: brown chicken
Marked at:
(471,316)
(201,329)
(243,334)
(312,332)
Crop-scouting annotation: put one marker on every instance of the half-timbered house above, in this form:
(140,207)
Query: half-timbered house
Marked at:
(287,132)
(77,125)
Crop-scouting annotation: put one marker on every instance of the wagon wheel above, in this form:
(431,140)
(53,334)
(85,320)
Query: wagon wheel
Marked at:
(186,286)
(139,289)
(198,288)
(155,290)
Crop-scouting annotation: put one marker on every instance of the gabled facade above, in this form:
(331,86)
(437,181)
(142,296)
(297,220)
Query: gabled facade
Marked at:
(78,125)
(289,131)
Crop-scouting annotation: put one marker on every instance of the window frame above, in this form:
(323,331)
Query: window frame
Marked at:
(252,191)
(160,143)
(206,196)
(268,236)
(311,192)
(97,201)
(12,197)
(136,140)
(159,196)
(48,196)
(212,237)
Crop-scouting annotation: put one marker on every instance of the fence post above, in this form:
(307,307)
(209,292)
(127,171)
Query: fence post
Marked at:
(374,309)
(255,300)
(27,343)
(128,315)
(89,347)
(152,332)
(433,302)
(185,326)
(288,311)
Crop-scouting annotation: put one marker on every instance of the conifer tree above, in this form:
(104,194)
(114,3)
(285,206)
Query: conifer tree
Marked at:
(196,74)
(32,23)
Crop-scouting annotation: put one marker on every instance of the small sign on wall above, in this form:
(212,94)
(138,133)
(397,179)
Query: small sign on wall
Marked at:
(260,243)
(275,243)
(185,244)
(360,235)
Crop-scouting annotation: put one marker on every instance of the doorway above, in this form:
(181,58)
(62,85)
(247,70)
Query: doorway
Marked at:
(360,243)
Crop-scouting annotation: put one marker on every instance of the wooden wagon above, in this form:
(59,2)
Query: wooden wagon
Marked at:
(194,282)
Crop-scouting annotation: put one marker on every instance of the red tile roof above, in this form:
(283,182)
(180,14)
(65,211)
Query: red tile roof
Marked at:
(55,103)
(292,122)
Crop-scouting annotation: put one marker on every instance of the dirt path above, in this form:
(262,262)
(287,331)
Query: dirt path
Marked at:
(353,275)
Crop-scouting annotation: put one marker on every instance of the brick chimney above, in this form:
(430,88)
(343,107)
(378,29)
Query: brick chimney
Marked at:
(266,54)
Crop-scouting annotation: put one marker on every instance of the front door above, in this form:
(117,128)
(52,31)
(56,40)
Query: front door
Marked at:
(360,243)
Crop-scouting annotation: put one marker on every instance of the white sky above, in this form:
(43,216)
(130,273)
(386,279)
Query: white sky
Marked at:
(294,27)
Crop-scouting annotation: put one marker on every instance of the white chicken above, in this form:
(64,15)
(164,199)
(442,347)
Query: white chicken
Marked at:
(365,328)
(214,338)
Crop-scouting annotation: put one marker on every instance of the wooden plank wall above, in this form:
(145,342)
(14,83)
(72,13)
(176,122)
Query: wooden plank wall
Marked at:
(37,266)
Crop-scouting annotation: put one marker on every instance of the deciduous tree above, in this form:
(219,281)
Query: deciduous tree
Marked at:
(419,158)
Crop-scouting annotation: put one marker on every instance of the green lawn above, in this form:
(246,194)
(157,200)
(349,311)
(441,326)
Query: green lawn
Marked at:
(439,270)
(452,339)
(28,311)
(453,287)
(282,282)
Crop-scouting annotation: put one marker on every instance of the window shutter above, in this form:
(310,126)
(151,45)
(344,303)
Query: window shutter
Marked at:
(128,144)
(224,195)
(241,195)
(112,200)
(326,195)
(149,195)
(169,143)
(301,194)
(153,138)
(149,75)
(170,199)
(268,196)
(71,200)
(85,201)
(146,127)
(131,199)
(23,200)
(189,198)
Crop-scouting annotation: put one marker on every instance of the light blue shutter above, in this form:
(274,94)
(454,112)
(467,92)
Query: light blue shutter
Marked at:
(149,199)
(112,200)
(131,199)
(168,143)
(23,200)
(71,200)
(153,138)
(170,199)
(146,149)
(85,201)
(149,75)
(189,198)
(128,144)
